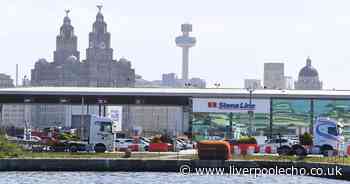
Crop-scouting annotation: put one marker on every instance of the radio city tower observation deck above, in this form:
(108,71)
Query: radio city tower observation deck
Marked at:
(185,42)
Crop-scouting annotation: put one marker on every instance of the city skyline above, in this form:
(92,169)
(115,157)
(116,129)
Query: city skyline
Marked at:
(230,46)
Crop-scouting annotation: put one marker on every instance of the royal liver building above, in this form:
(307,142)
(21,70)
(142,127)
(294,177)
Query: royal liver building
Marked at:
(98,70)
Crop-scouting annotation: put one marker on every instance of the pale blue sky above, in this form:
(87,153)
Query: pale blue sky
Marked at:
(234,37)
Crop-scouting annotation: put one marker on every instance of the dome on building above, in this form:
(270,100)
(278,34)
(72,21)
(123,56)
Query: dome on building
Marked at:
(124,61)
(72,59)
(41,62)
(308,70)
(308,78)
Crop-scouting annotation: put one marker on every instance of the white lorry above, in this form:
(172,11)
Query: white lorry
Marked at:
(327,136)
(102,133)
(99,133)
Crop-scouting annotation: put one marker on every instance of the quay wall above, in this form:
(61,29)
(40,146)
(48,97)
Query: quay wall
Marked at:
(150,165)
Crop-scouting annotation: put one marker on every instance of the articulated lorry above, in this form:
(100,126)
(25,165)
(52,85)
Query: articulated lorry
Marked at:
(99,136)
(327,136)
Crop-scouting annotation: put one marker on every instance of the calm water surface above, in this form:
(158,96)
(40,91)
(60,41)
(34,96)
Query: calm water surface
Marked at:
(149,177)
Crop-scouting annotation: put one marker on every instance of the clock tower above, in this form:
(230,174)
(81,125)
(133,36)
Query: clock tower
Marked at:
(66,42)
(99,55)
(99,41)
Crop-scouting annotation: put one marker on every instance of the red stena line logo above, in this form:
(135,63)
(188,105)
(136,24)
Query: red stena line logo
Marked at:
(212,104)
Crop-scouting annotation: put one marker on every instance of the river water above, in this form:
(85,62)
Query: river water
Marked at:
(149,177)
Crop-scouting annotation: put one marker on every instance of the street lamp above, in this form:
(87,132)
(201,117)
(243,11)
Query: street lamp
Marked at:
(250,111)
(27,124)
(230,122)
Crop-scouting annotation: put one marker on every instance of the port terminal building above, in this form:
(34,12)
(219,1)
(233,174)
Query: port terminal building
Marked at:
(202,113)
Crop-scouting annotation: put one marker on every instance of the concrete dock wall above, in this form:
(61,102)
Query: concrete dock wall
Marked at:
(131,165)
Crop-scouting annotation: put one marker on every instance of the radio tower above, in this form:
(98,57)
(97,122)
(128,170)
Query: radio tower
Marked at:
(185,42)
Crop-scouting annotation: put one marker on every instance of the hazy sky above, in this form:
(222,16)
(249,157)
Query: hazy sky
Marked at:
(234,37)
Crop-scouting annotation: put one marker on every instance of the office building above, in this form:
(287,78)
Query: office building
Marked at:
(99,69)
(289,82)
(252,84)
(274,76)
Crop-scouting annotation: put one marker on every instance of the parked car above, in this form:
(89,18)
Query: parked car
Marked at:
(284,146)
(185,144)
(123,144)
(279,142)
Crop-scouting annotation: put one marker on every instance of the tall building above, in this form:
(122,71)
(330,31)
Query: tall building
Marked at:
(197,82)
(274,76)
(66,68)
(170,79)
(98,70)
(252,84)
(102,70)
(308,78)
(289,83)
(185,42)
(6,81)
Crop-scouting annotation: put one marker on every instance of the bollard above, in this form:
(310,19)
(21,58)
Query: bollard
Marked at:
(127,153)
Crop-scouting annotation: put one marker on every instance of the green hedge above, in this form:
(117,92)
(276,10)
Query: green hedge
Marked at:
(306,139)
(246,140)
(8,149)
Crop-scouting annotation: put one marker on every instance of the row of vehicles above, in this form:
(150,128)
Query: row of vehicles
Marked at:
(326,139)
(101,137)
(143,144)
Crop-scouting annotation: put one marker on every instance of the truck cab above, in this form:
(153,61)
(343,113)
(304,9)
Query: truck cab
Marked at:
(327,134)
(102,132)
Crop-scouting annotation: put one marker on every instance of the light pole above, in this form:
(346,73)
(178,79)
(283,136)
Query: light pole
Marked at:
(250,111)
(67,120)
(82,119)
(230,121)
(27,124)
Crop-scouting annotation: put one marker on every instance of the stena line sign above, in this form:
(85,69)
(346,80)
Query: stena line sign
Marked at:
(222,105)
